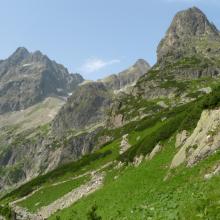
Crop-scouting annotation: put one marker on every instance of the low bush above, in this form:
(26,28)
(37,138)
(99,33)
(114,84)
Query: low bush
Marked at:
(6,211)
(148,143)
(184,117)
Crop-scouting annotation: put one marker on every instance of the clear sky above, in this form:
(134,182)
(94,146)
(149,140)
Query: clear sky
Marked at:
(92,37)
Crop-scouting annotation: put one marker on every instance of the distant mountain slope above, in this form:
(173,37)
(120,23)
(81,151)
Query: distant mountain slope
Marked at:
(27,78)
(86,107)
(32,117)
(126,77)
(52,131)
(89,104)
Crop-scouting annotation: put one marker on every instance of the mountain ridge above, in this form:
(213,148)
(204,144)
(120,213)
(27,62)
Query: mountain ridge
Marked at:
(27,78)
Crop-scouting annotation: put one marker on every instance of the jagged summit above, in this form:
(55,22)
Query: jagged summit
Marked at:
(20,54)
(142,62)
(27,78)
(20,50)
(187,28)
(128,76)
(142,65)
(192,22)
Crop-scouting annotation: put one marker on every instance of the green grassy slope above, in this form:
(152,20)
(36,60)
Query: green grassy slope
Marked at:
(50,193)
(66,172)
(142,192)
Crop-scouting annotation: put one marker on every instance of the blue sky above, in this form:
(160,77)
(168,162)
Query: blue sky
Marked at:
(92,37)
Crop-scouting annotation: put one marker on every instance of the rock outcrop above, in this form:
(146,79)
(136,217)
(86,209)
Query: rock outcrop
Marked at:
(215,171)
(85,108)
(89,104)
(124,146)
(203,142)
(154,152)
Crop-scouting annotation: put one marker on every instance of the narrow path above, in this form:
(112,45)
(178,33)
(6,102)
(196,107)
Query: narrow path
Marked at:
(63,202)
(25,197)
(67,200)
(84,174)
(73,178)
(71,197)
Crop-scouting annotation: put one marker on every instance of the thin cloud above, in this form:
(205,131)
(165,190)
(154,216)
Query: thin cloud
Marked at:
(94,64)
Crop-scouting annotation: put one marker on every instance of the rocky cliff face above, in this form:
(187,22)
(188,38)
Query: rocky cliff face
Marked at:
(203,142)
(27,78)
(86,107)
(33,152)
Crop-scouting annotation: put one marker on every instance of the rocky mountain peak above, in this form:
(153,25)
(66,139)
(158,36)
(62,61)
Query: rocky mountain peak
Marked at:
(191,22)
(28,78)
(38,56)
(142,64)
(19,55)
(186,26)
(21,50)
(128,76)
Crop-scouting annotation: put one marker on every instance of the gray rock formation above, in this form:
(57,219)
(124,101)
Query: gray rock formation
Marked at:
(215,172)
(32,154)
(203,142)
(27,78)
(86,107)
(127,77)
(189,50)
(124,145)
(184,34)
(154,152)
(181,138)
